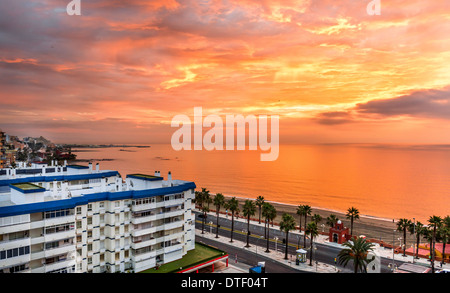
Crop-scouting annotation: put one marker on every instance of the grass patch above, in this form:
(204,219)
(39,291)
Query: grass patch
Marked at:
(202,253)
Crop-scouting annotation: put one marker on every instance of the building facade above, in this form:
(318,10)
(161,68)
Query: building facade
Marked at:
(78,219)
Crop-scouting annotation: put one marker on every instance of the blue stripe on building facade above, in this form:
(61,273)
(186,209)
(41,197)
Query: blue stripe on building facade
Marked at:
(22,209)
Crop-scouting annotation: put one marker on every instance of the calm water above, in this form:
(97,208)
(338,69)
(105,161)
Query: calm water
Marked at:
(382,181)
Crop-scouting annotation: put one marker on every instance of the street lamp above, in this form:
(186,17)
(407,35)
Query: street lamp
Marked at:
(259,238)
(276,242)
(393,250)
(210,227)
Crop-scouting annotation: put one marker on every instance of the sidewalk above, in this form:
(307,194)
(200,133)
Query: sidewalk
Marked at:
(322,239)
(275,255)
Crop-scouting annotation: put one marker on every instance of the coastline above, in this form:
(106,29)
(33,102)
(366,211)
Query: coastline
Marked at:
(379,229)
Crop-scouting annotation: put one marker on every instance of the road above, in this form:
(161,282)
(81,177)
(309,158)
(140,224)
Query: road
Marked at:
(323,253)
(248,257)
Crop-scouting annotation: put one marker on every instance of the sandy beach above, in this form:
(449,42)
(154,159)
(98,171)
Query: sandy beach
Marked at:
(371,227)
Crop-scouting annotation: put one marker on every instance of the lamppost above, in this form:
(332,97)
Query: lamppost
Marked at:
(210,227)
(259,238)
(276,242)
(393,250)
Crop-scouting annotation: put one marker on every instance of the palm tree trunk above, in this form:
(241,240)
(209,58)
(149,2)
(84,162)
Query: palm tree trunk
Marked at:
(351,226)
(417,248)
(311,252)
(404,241)
(268,230)
(304,235)
(248,231)
(433,252)
(203,223)
(287,241)
(217,224)
(443,253)
(232,226)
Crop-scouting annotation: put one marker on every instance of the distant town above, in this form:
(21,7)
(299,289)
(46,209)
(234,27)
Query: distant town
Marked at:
(41,150)
(31,150)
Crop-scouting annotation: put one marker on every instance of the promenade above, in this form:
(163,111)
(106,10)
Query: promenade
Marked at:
(278,255)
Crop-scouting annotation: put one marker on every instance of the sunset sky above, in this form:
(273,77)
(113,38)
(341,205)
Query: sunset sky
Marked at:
(122,70)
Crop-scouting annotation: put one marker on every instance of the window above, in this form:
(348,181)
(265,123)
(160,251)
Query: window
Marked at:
(78,224)
(89,208)
(89,221)
(58,213)
(14,252)
(78,210)
(102,204)
(89,247)
(90,261)
(117,204)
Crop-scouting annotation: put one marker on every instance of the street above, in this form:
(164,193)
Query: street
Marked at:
(323,253)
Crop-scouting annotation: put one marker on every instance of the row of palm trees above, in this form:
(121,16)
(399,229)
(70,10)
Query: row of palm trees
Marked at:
(438,229)
(266,211)
(356,250)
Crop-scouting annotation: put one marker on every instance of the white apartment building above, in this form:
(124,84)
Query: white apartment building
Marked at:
(78,219)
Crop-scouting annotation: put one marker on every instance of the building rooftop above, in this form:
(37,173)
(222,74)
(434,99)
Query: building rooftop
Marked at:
(145,177)
(27,187)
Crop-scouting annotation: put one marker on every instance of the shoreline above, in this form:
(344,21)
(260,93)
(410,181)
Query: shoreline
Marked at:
(376,228)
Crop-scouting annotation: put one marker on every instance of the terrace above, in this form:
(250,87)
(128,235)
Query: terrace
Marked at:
(199,257)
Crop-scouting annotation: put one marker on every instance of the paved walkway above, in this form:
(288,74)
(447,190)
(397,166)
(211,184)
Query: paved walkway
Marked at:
(322,239)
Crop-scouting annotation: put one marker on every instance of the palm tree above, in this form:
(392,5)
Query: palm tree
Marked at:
(306,211)
(259,203)
(418,229)
(402,226)
(435,222)
(248,210)
(205,199)
(233,206)
(312,231)
(352,214)
(287,224)
(316,218)
(300,214)
(445,236)
(332,220)
(269,213)
(357,251)
(443,233)
(200,200)
(219,200)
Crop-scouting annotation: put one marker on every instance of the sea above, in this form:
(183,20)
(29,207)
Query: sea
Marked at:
(381,181)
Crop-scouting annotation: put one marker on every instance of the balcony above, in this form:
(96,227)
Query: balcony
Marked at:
(59,235)
(59,265)
(139,244)
(5,245)
(59,220)
(59,250)
(140,220)
(173,248)
(144,256)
